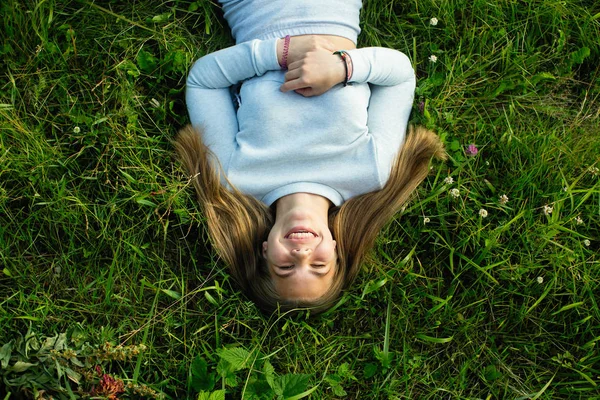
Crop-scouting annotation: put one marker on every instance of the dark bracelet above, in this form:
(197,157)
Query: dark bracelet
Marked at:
(347,64)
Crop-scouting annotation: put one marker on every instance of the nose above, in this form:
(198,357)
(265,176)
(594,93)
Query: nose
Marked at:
(301,253)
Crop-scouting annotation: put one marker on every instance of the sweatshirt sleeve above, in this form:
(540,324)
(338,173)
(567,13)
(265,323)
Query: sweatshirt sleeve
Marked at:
(392,82)
(208,96)
(380,66)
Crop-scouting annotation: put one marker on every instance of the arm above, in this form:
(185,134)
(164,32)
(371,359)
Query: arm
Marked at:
(208,96)
(380,66)
(392,94)
(320,70)
(234,64)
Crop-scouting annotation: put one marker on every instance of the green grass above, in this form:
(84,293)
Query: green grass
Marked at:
(101,239)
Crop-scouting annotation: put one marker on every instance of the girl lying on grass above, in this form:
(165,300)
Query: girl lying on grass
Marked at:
(299,172)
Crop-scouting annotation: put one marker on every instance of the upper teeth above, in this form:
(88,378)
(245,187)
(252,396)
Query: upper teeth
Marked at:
(301,235)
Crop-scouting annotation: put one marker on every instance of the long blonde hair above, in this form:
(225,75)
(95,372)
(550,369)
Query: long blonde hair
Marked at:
(239,223)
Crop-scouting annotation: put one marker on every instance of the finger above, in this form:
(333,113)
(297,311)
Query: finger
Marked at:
(306,92)
(295,65)
(293,85)
(293,74)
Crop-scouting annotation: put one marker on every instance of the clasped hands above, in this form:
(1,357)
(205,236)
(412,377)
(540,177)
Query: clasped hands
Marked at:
(313,69)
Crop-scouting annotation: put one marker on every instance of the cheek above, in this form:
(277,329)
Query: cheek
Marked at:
(275,254)
(326,251)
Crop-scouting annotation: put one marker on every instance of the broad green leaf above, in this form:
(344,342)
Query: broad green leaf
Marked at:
(72,375)
(580,55)
(164,17)
(336,386)
(76,362)
(5,352)
(345,372)
(258,389)
(269,372)
(370,370)
(216,395)
(291,385)
(21,366)
(491,373)
(146,61)
(384,357)
(201,378)
(61,342)
(237,357)
(302,395)
(225,370)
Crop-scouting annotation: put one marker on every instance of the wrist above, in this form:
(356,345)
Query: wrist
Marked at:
(279,50)
(348,66)
(283,46)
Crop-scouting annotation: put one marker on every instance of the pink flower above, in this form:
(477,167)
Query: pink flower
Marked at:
(472,150)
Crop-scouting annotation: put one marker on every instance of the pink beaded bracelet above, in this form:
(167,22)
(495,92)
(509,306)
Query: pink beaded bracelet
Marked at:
(286,47)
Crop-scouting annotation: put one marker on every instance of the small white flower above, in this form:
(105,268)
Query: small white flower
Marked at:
(433,58)
(449,180)
(433,21)
(579,220)
(594,170)
(454,192)
(503,199)
(540,280)
(565,189)
(483,213)
(587,243)
(76,130)
(426,220)
(547,210)
(154,103)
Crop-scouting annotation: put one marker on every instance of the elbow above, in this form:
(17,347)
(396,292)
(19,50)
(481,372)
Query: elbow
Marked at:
(195,74)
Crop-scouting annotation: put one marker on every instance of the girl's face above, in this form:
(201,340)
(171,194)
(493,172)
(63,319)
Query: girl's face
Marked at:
(301,257)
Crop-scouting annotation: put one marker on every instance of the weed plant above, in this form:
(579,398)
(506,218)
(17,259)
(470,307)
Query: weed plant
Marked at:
(485,287)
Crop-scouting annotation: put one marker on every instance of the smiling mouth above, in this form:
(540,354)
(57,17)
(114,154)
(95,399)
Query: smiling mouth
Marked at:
(301,233)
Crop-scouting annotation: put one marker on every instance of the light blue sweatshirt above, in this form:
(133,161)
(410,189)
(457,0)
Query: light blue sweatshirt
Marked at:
(337,145)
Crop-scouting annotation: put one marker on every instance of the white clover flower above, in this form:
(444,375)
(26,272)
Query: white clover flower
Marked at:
(76,130)
(503,199)
(579,220)
(449,180)
(483,213)
(594,170)
(587,243)
(433,21)
(454,192)
(548,210)
(433,58)
(426,220)
(540,280)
